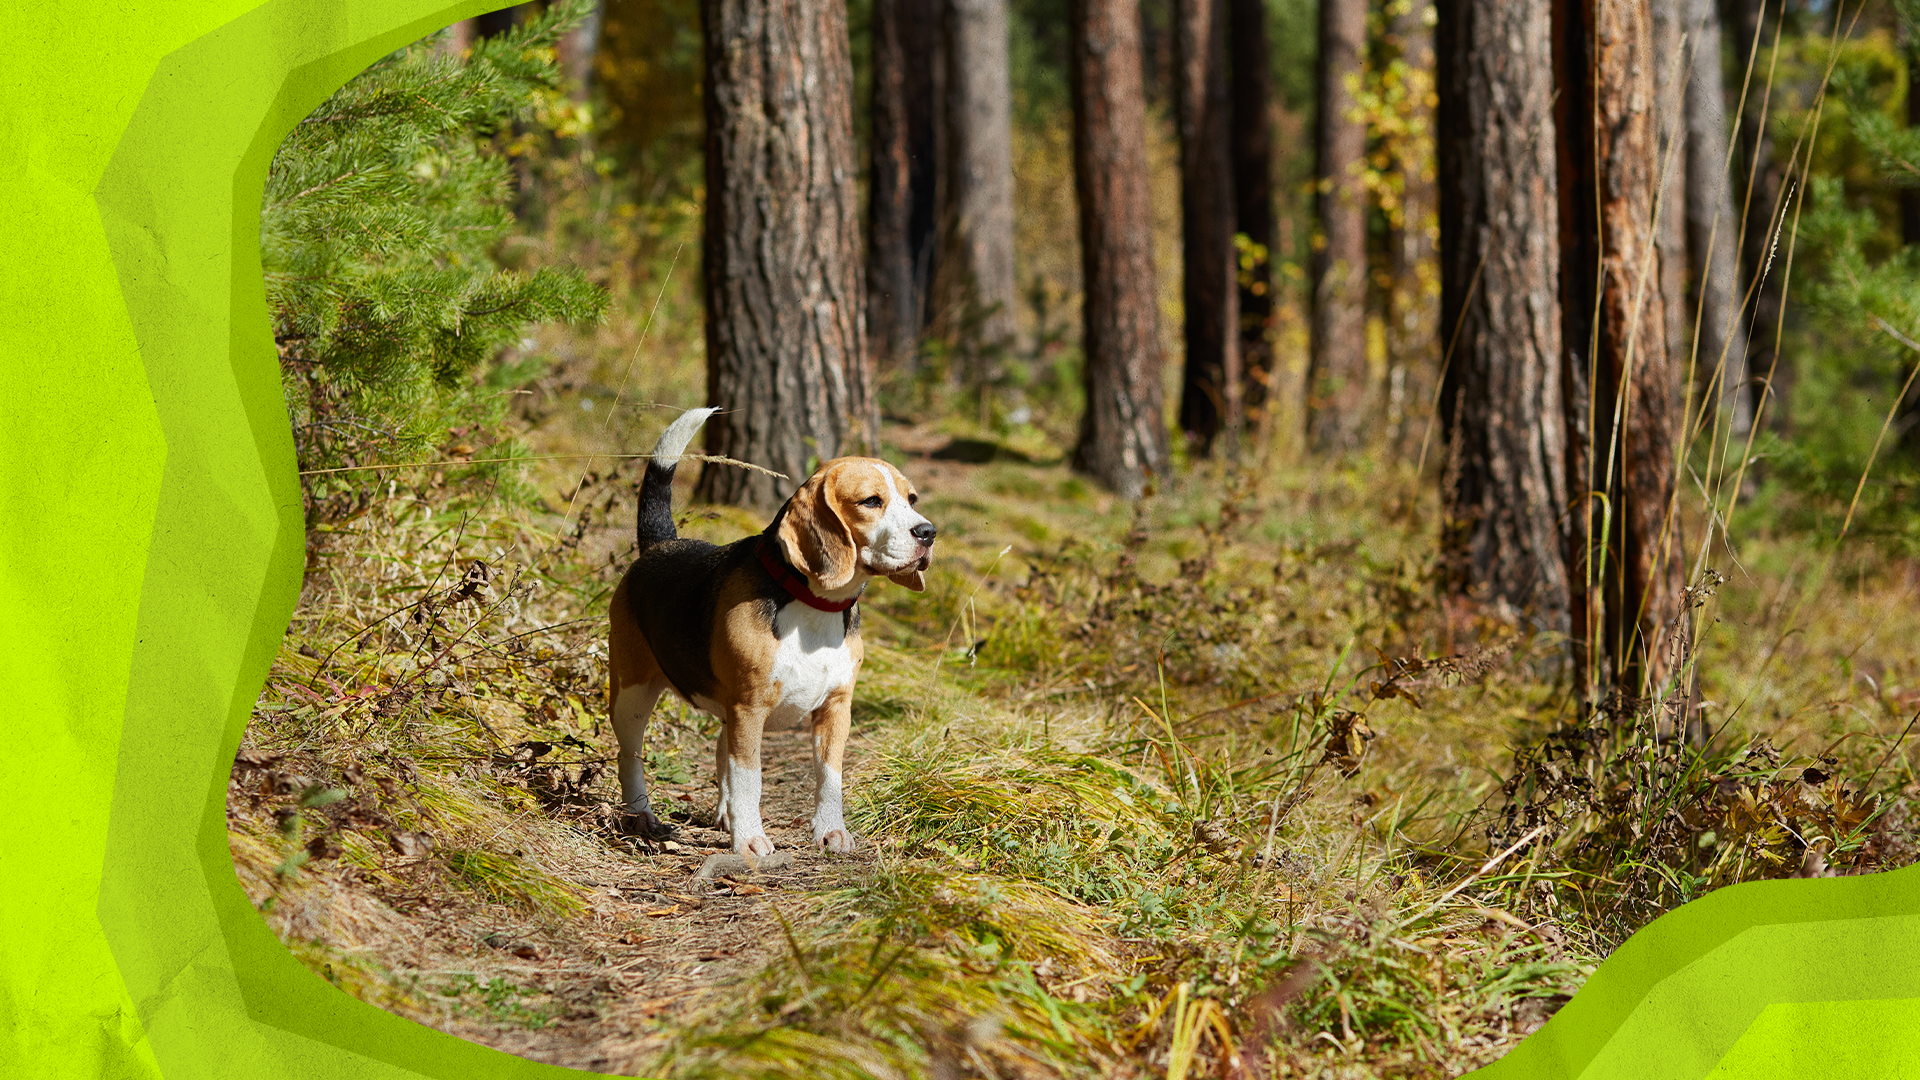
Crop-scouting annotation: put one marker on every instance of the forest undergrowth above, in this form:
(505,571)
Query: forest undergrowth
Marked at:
(1215,783)
(1221,783)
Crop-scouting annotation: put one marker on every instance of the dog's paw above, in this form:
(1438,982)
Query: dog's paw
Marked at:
(838,841)
(757,846)
(643,823)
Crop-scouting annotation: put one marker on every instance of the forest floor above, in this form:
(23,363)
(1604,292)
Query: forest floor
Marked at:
(1140,792)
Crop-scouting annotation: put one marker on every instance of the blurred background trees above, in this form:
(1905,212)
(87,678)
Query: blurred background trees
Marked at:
(1606,293)
(1338,381)
(1123,438)
(903,186)
(1212,385)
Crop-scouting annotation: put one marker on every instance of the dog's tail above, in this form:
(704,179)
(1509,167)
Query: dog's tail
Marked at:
(656,491)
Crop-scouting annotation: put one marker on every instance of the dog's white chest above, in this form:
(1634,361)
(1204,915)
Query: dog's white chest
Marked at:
(812,659)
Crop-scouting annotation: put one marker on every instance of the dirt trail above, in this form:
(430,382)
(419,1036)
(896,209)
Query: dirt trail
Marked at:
(604,991)
(624,992)
(627,993)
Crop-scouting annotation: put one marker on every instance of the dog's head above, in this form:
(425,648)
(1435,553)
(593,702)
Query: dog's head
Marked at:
(854,519)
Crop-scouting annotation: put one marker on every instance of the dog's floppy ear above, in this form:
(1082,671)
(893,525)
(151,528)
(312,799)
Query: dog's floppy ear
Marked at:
(912,579)
(815,538)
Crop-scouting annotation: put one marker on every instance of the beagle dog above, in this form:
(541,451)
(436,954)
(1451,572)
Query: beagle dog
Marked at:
(762,631)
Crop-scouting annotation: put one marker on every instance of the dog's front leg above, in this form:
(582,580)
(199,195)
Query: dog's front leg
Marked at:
(831,722)
(738,770)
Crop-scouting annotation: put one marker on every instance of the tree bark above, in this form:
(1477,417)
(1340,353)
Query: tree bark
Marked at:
(785,326)
(977,289)
(1908,419)
(1252,150)
(495,23)
(1630,403)
(1579,260)
(1337,390)
(1210,395)
(1713,236)
(577,49)
(1759,188)
(1910,196)
(1501,396)
(926,87)
(1123,438)
(460,37)
(1413,323)
(1672,47)
(901,193)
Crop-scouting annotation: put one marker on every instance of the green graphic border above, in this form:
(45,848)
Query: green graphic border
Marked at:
(150,546)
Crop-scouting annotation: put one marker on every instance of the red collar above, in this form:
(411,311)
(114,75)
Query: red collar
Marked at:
(796,585)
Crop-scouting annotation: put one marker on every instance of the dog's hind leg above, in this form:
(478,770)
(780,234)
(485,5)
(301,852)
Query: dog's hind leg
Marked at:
(634,685)
(632,708)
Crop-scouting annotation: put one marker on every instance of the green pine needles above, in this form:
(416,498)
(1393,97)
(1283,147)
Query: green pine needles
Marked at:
(391,311)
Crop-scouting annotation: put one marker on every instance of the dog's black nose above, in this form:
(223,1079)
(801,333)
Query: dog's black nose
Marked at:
(923,532)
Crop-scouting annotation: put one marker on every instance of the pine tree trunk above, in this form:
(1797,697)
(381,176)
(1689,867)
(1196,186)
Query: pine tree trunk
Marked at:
(1632,399)
(1579,257)
(1337,390)
(1669,64)
(1123,438)
(1910,196)
(900,201)
(1252,149)
(785,329)
(1758,188)
(577,49)
(977,289)
(1504,486)
(1413,323)
(495,23)
(1713,233)
(1908,420)
(460,37)
(926,88)
(1210,395)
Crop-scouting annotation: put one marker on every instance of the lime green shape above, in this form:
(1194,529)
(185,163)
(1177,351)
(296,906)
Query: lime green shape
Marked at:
(151,552)
(150,547)
(81,454)
(1680,994)
(1823,1039)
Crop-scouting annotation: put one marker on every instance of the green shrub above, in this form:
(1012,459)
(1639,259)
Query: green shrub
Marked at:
(392,316)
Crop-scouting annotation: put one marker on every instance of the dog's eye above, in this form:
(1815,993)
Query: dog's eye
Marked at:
(871,500)
(913,498)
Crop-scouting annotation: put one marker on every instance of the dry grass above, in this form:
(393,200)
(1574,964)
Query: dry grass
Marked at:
(1061,839)
(1145,790)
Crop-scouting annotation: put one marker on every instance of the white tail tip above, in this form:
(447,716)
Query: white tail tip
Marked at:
(673,441)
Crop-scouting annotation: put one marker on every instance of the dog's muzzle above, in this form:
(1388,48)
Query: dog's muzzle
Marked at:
(924,533)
